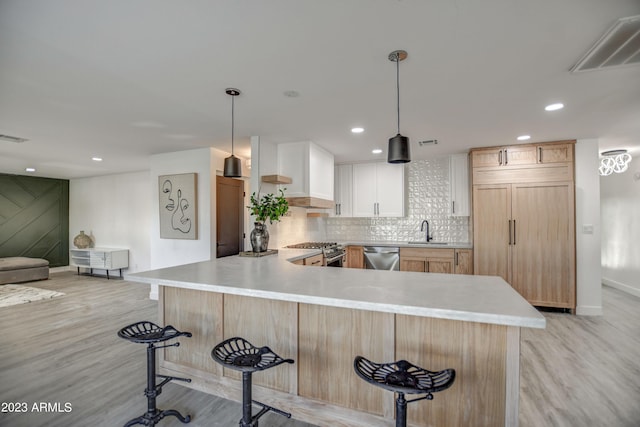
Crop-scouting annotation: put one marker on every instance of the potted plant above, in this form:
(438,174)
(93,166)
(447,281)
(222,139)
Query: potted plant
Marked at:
(271,207)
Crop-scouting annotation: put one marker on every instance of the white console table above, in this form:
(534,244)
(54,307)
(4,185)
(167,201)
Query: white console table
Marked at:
(99,259)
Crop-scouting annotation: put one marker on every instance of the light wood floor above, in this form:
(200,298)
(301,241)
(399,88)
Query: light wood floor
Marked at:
(580,371)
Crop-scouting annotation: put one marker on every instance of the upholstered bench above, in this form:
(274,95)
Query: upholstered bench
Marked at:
(23,269)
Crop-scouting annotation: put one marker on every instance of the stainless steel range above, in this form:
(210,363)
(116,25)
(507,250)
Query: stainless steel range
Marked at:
(333,253)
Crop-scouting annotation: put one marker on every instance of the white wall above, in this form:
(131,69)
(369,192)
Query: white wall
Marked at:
(115,210)
(295,227)
(620,202)
(588,275)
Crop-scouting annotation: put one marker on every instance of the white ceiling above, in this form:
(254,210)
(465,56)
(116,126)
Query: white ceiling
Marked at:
(124,79)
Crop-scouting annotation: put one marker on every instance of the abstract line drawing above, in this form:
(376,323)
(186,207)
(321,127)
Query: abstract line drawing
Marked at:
(178,206)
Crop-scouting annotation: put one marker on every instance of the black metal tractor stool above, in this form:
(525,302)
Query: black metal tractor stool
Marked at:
(403,378)
(149,333)
(239,354)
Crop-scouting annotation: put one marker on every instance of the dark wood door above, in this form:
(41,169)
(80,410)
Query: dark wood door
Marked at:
(229,216)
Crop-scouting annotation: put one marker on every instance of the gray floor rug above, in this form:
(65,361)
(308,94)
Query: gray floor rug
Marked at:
(19,294)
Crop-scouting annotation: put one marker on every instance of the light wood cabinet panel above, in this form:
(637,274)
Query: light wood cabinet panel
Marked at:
(264,322)
(463,262)
(355,257)
(491,219)
(555,153)
(440,265)
(549,161)
(470,349)
(199,313)
(314,261)
(427,260)
(543,261)
(354,332)
(525,233)
(418,264)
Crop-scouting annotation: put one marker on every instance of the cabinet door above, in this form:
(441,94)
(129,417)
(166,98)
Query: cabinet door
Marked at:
(491,230)
(487,157)
(463,262)
(440,265)
(343,180)
(555,153)
(459,185)
(355,257)
(315,260)
(519,155)
(364,189)
(543,247)
(413,264)
(390,189)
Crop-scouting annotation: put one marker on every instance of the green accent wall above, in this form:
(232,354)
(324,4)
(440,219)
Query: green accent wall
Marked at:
(34,218)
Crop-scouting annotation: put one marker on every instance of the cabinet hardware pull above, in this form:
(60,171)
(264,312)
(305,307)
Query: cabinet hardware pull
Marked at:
(514,232)
(339,208)
(500,157)
(453,207)
(539,154)
(456,259)
(509,232)
(506,159)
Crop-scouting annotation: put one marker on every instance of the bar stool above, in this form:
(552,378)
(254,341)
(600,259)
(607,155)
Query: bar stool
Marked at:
(403,377)
(149,333)
(239,354)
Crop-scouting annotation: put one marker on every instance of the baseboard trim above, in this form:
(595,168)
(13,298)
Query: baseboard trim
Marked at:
(60,269)
(589,310)
(621,286)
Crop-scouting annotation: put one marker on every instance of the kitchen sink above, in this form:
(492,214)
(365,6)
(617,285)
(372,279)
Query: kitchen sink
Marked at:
(422,242)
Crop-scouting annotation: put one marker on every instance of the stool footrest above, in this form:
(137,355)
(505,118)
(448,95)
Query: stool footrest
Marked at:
(267,408)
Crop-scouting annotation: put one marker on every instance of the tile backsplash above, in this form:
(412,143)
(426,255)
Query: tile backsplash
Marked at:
(427,198)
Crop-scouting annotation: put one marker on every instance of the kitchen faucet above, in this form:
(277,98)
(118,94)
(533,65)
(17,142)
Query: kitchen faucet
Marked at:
(429,238)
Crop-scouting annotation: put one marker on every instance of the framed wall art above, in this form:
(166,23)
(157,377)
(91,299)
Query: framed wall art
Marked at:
(178,206)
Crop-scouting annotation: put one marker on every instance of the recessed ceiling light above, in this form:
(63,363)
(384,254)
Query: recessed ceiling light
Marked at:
(376,151)
(291,94)
(30,170)
(524,137)
(357,130)
(554,107)
(96,159)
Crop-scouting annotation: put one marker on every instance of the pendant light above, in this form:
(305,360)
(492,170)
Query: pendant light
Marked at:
(232,164)
(398,151)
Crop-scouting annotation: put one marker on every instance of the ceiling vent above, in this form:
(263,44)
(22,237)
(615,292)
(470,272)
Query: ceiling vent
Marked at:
(428,142)
(10,138)
(619,46)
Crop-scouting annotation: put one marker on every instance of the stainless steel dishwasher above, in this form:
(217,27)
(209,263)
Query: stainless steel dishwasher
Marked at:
(381,258)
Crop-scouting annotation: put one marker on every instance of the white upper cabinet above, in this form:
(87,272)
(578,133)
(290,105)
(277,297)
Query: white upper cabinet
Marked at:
(310,167)
(378,190)
(459,185)
(343,191)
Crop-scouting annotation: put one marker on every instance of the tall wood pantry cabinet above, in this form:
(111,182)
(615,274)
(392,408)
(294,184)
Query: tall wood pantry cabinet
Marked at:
(524,219)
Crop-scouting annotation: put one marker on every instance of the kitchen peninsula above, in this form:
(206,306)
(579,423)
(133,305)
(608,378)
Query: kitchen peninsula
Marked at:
(323,317)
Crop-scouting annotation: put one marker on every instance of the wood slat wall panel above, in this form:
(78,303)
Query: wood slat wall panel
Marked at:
(477,397)
(199,313)
(265,323)
(326,368)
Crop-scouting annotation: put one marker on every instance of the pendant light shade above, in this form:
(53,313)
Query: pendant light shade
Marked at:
(398,151)
(232,164)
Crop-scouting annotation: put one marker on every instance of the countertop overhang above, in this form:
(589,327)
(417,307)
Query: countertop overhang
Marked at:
(484,299)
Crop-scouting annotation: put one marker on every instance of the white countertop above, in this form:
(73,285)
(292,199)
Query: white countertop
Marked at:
(485,299)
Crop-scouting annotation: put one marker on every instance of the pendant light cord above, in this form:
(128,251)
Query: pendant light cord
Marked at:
(233,98)
(398,87)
